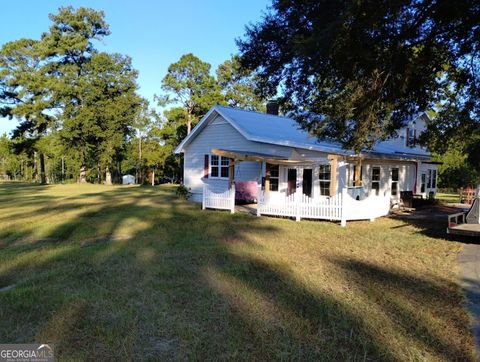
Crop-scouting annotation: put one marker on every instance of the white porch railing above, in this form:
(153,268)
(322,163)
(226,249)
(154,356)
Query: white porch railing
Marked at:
(340,207)
(300,206)
(215,199)
(369,208)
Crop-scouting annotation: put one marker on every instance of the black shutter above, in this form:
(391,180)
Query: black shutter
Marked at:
(206,165)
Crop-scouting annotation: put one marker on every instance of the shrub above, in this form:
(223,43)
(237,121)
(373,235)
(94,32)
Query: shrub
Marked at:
(183,192)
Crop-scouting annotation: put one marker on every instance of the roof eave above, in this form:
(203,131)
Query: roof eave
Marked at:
(201,125)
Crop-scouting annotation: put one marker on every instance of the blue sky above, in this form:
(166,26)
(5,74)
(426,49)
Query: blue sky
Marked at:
(154,33)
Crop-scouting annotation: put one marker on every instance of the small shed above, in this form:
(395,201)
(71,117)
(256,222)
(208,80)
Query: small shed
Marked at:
(128,179)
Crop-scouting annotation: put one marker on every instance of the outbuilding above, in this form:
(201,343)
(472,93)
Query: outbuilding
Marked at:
(128,180)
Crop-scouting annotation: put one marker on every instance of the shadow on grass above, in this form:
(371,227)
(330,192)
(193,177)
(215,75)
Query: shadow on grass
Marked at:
(392,291)
(185,284)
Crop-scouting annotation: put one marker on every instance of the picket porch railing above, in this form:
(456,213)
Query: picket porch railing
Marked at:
(341,207)
(300,206)
(218,199)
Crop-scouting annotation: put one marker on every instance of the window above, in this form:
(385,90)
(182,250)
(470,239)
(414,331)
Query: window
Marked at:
(429,179)
(274,171)
(434,179)
(411,137)
(394,181)
(225,163)
(376,179)
(354,180)
(422,184)
(324,177)
(219,166)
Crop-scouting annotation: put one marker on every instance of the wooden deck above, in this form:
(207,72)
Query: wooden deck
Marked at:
(465,229)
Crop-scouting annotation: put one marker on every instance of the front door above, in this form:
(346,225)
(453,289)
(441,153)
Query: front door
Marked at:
(291,181)
(307,182)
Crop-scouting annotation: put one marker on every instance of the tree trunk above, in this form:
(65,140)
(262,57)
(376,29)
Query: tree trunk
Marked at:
(83,174)
(35,167)
(118,178)
(153,177)
(189,124)
(99,174)
(139,171)
(63,169)
(108,176)
(43,179)
(189,116)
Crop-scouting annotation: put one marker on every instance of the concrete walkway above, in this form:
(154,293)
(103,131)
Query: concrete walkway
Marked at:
(469,260)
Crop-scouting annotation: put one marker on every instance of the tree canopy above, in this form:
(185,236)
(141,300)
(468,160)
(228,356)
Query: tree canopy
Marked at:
(62,84)
(189,83)
(238,85)
(356,71)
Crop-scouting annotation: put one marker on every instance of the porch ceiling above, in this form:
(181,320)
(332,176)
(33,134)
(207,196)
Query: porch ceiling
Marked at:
(259,157)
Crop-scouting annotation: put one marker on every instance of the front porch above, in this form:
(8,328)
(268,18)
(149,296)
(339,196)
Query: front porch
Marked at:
(341,207)
(300,189)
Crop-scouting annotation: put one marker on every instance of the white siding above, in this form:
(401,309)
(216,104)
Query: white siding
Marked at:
(220,134)
(406,175)
(399,143)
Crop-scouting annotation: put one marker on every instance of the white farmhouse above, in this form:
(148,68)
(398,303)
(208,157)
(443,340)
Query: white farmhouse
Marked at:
(234,153)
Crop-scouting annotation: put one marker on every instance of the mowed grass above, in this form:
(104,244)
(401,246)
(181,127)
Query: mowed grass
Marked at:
(121,273)
(448,197)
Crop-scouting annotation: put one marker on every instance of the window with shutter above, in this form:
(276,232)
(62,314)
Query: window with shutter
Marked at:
(219,166)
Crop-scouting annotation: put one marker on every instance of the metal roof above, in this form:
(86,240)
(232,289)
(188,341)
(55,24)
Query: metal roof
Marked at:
(283,131)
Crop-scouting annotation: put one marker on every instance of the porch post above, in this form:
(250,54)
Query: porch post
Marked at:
(204,196)
(267,179)
(358,172)
(231,172)
(333,174)
(259,198)
(298,193)
(231,184)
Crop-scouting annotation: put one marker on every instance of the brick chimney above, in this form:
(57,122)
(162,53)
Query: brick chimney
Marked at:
(272,107)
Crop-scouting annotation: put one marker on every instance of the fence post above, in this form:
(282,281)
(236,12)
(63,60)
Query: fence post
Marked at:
(297,204)
(204,196)
(343,202)
(259,199)
(232,198)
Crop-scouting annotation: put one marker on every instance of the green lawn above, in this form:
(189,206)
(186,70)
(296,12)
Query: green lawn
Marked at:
(115,273)
(448,198)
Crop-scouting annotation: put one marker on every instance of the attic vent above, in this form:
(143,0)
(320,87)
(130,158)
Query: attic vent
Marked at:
(272,107)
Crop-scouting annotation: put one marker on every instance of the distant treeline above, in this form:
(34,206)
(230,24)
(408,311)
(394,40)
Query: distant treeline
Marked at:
(81,118)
